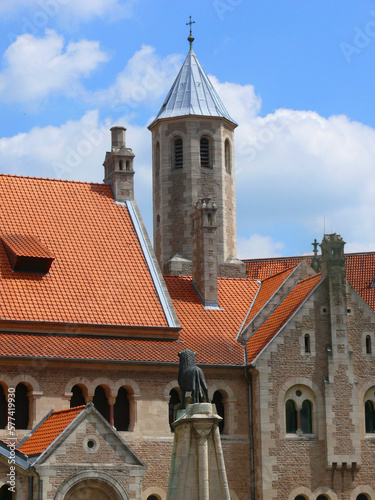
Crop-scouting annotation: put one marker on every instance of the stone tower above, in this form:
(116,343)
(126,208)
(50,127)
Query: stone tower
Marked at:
(193,159)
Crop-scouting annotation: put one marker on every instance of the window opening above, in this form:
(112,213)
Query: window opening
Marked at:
(322,497)
(228,165)
(178,153)
(290,417)
(307,343)
(152,497)
(157,159)
(205,152)
(217,400)
(77,398)
(21,409)
(120,165)
(306,417)
(300,497)
(362,496)
(122,410)
(174,401)
(3,409)
(100,401)
(368,345)
(5,493)
(370,417)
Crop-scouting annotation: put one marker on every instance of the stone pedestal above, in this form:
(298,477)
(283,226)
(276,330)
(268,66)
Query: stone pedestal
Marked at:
(197,466)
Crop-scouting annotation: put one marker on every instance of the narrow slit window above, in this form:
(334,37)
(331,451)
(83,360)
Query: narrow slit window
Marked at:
(178,153)
(228,157)
(368,345)
(205,152)
(307,343)
(290,417)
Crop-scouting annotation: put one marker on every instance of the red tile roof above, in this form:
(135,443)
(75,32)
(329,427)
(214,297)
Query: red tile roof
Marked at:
(49,430)
(280,316)
(25,245)
(211,333)
(360,271)
(99,275)
(268,287)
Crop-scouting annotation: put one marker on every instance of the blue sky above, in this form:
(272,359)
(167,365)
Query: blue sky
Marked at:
(297,76)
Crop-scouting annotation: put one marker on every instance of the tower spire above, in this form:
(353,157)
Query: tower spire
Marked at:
(190,37)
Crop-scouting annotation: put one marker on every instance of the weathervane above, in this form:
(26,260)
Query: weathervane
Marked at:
(190,38)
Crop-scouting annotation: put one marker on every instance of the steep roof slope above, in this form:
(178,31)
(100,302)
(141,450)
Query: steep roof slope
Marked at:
(44,435)
(99,274)
(280,316)
(192,93)
(360,271)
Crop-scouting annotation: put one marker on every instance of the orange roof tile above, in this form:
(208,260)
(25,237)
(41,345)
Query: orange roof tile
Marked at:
(260,269)
(49,430)
(360,271)
(268,287)
(211,333)
(99,276)
(280,316)
(25,245)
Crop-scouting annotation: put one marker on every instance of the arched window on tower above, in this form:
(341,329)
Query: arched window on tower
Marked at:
(174,402)
(322,497)
(21,409)
(370,417)
(362,496)
(3,409)
(122,410)
(205,152)
(217,400)
(77,399)
(368,345)
(100,401)
(228,156)
(178,153)
(300,497)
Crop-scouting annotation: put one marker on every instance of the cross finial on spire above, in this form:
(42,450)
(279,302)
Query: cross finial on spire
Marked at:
(190,38)
(315,245)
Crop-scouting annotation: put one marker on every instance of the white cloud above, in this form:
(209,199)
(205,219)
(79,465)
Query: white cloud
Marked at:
(258,246)
(37,67)
(77,10)
(146,78)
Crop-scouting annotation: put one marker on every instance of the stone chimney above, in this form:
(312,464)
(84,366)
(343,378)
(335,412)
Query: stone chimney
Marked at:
(204,258)
(118,166)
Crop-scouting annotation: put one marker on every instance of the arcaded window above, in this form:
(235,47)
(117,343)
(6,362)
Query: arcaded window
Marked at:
(368,345)
(370,417)
(122,410)
(77,399)
(100,401)
(362,496)
(217,400)
(3,409)
(205,152)
(322,497)
(228,156)
(299,410)
(21,409)
(174,402)
(178,153)
(300,497)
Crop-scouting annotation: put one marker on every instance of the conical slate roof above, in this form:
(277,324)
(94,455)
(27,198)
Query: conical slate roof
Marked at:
(192,93)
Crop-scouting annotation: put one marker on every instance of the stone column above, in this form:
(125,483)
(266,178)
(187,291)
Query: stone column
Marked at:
(197,467)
